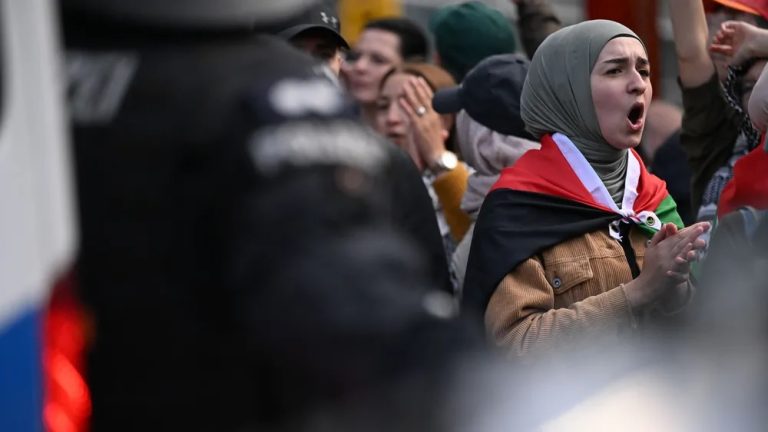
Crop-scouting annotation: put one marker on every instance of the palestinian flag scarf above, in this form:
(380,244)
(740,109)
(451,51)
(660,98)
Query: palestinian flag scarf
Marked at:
(549,196)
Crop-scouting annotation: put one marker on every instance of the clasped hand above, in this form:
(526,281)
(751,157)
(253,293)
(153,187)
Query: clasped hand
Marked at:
(667,263)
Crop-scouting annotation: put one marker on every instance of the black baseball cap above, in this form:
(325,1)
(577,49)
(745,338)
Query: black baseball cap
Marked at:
(319,17)
(490,94)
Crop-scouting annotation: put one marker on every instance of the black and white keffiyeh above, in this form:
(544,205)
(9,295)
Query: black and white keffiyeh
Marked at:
(747,140)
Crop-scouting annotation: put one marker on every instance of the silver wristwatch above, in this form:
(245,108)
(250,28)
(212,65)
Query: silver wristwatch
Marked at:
(446,162)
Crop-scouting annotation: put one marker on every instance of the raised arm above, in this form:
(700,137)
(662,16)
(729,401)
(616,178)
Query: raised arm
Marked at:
(689,29)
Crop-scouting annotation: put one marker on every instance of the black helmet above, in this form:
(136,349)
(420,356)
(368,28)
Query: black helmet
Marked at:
(202,14)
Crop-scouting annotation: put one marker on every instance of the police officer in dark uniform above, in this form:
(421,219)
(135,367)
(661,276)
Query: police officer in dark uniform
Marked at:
(170,103)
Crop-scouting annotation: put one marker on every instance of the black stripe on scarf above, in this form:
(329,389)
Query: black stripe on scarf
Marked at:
(512,227)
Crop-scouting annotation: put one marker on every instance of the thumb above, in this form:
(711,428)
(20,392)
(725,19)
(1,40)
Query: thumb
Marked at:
(671,229)
(659,236)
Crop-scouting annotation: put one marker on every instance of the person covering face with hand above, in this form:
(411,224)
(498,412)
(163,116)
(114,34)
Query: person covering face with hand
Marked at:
(406,117)
(578,238)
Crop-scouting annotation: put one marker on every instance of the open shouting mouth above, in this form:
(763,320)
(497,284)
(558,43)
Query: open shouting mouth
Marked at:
(635,116)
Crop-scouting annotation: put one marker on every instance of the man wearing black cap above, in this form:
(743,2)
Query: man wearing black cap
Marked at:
(317,32)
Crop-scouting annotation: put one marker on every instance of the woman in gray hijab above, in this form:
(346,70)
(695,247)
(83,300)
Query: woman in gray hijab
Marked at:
(577,238)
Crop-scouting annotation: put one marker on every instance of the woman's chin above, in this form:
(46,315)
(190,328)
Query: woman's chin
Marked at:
(625,143)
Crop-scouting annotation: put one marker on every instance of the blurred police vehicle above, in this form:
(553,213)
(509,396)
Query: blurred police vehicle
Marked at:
(44,330)
(37,229)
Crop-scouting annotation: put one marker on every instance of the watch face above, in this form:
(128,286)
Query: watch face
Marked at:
(448,160)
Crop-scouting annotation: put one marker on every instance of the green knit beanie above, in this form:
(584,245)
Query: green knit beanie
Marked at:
(469,32)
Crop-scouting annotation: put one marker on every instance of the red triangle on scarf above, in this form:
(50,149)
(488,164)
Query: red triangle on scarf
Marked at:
(547,171)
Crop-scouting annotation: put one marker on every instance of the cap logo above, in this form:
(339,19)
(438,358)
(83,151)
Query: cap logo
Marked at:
(332,20)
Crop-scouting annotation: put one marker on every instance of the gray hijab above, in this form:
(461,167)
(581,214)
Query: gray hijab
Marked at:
(557,96)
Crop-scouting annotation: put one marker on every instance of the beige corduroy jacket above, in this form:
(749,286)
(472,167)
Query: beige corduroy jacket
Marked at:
(570,290)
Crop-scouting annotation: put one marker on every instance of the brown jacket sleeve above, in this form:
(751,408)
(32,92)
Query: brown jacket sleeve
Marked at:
(450,187)
(522,318)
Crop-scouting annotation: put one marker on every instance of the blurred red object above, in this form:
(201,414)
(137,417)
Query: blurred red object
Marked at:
(749,185)
(754,7)
(67,403)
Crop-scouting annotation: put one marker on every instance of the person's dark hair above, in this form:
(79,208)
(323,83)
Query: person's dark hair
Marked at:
(413,40)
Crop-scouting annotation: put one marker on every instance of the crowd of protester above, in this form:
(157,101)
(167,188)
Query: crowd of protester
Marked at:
(285,230)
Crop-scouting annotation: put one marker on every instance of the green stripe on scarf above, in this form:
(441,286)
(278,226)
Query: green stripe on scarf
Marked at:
(667,213)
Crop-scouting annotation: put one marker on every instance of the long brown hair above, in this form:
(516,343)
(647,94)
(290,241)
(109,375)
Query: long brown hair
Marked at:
(437,77)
